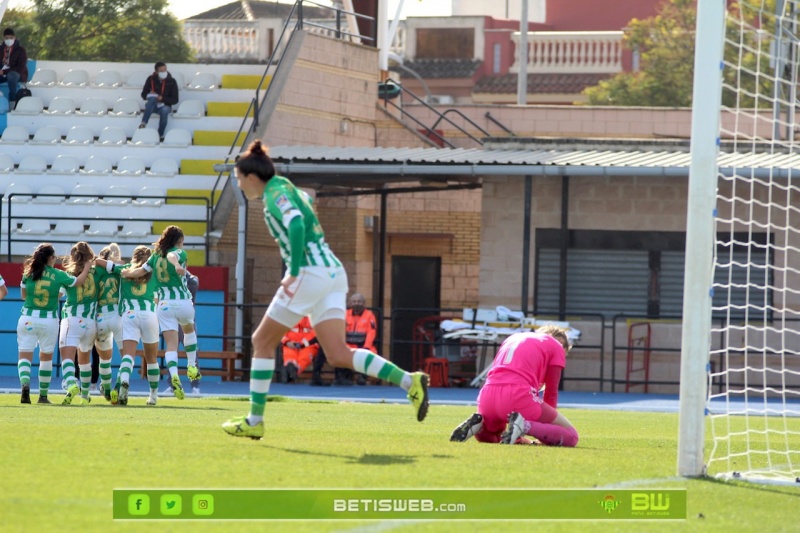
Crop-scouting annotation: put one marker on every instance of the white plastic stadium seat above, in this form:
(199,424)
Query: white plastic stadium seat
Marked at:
(125,107)
(96,166)
(75,78)
(61,105)
(191,109)
(102,228)
(65,164)
(93,107)
(177,137)
(112,136)
(46,135)
(34,226)
(136,79)
(150,202)
(107,79)
(163,166)
(6,164)
(79,136)
(21,193)
(43,77)
(83,195)
(144,137)
(49,194)
(136,228)
(15,135)
(68,227)
(203,81)
(179,79)
(129,166)
(32,105)
(32,164)
(117,195)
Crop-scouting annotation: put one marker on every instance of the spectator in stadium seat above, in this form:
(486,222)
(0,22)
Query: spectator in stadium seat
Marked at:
(524,362)
(15,63)
(160,93)
(299,349)
(362,328)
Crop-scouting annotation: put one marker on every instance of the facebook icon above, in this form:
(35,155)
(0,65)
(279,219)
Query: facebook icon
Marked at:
(138,504)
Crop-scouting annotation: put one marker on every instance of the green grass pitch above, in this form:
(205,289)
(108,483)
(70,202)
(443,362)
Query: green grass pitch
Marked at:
(60,464)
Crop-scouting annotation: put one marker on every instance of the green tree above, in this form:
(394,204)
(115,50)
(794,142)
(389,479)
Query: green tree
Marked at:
(666,45)
(106,30)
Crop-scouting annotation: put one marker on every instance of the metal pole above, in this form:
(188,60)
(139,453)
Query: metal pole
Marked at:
(241,257)
(696,340)
(526,244)
(383,38)
(382,283)
(563,249)
(780,64)
(522,75)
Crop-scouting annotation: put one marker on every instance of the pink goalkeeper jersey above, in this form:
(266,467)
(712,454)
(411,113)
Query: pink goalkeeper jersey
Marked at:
(523,359)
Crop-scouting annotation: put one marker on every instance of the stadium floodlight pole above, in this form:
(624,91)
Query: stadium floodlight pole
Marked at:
(700,242)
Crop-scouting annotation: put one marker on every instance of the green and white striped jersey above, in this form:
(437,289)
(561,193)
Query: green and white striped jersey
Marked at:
(282,202)
(136,296)
(41,296)
(82,301)
(171,285)
(107,290)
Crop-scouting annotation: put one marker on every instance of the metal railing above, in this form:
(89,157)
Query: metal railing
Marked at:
(476,355)
(499,124)
(429,131)
(11,220)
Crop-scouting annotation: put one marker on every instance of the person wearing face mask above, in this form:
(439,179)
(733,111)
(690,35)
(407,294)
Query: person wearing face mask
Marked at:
(15,63)
(362,328)
(160,93)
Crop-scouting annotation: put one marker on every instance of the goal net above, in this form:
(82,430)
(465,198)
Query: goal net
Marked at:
(754,369)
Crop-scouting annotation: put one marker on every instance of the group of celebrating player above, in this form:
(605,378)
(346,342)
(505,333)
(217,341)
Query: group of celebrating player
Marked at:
(106,301)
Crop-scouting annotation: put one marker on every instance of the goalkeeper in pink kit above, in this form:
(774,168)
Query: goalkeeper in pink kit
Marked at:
(510,398)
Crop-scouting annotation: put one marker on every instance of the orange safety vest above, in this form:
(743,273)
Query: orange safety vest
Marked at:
(302,333)
(361,330)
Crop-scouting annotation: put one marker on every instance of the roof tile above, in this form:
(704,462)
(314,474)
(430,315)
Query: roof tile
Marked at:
(539,83)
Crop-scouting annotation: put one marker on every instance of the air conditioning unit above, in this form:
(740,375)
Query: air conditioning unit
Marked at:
(441,99)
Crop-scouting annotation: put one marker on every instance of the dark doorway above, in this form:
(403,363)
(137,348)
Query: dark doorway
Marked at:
(415,294)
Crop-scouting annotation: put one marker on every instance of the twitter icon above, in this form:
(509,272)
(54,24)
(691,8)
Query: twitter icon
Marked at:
(171,504)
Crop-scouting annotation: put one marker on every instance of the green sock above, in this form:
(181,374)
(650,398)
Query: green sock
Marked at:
(376,366)
(261,373)
(24,371)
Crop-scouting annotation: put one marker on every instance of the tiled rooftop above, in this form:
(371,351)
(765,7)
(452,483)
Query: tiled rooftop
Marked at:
(539,83)
(442,68)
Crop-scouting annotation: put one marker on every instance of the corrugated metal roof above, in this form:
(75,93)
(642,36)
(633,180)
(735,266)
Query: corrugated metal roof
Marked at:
(356,170)
(420,160)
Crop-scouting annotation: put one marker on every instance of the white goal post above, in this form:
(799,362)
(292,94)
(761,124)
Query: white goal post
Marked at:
(740,364)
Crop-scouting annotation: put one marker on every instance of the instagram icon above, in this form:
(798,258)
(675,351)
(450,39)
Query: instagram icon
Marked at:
(203,504)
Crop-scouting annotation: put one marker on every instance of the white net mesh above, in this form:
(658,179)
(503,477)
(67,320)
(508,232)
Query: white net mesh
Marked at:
(754,387)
